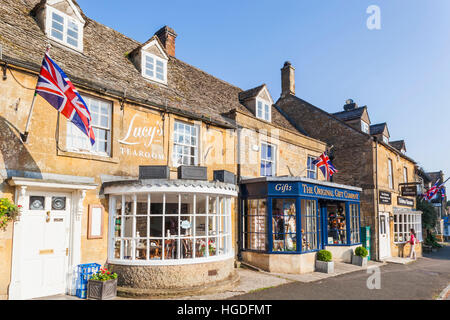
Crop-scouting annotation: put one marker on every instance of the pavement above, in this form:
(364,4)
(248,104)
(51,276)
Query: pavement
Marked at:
(427,278)
(393,279)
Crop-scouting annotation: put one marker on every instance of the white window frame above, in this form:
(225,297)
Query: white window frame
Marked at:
(405,174)
(155,58)
(219,214)
(175,144)
(79,134)
(273,160)
(264,111)
(364,127)
(385,139)
(308,170)
(390,174)
(67,19)
(408,221)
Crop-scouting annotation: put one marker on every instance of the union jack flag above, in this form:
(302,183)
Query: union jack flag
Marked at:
(432,191)
(324,163)
(443,192)
(55,87)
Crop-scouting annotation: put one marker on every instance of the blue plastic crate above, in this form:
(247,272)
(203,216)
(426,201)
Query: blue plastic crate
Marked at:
(84,272)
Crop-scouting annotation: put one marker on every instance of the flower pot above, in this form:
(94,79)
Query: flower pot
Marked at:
(325,267)
(359,261)
(102,290)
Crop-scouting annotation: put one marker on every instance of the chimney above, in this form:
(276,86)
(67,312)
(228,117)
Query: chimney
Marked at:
(350,105)
(167,37)
(287,79)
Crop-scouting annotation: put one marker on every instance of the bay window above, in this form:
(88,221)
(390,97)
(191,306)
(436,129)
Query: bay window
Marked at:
(165,227)
(403,223)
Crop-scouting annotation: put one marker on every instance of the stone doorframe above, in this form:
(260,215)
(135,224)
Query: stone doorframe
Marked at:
(78,192)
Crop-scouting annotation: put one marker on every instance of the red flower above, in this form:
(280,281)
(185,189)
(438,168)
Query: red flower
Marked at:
(109,272)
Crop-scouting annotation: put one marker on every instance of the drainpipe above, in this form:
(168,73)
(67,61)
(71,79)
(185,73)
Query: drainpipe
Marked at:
(239,199)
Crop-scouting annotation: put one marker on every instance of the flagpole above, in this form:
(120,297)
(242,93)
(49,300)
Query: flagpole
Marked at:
(24,136)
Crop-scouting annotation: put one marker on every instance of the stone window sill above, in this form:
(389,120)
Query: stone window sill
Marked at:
(86,156)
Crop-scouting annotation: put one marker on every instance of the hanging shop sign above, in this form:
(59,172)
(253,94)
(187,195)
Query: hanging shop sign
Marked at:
(409,191)
(405,202)
(385,197)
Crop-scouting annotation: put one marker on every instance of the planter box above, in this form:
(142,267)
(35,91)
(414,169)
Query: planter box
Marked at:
(102,290)
(192,173)
(325,267)
(359,261)
(154,172)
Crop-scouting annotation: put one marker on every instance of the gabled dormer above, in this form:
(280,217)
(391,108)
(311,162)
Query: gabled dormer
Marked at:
(259,101)
(399,145)
(354,116)
(151,57)
(62,21)
(380,131)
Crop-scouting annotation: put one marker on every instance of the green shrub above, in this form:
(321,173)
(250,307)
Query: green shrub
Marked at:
(324,255)
(361,252)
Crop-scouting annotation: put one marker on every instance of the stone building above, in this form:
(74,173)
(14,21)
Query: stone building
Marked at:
(365,158)
(156,196)
(164,227)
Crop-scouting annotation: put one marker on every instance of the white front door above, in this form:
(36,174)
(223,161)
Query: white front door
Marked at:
(45,244)
(384,235)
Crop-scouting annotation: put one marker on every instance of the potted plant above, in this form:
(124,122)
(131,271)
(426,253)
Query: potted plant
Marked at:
(8,212)
(324,262)
(102,285)
(359,258)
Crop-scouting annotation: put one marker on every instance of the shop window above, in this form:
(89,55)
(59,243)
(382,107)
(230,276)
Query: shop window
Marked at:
(170,226)
(77,141)
(284,224)
(255,225)
(337,228)
(185,144)
(354,224)
(309,225)
(403,223)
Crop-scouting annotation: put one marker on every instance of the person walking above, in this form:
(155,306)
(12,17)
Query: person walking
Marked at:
(412,242)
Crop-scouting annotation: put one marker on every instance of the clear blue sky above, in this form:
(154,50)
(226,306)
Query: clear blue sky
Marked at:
(401,72)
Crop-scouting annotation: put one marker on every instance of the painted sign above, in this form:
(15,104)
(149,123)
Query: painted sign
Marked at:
(385,197)
(409,191)
(144,137)
(405,202)
(315,190)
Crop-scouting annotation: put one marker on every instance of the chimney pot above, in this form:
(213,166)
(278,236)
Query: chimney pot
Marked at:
(287,79)
(167,37)
(350,105)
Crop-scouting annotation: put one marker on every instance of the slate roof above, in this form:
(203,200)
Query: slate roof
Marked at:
(104,65)
(377,128)
(350,114)
(399,145)
(434,176)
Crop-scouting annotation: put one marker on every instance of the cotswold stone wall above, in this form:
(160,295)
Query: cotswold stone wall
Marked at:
(172,277)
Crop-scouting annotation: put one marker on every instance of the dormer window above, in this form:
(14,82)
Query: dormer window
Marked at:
(263,110)
(154,68)
(385,140)
(364,127)
(64,29)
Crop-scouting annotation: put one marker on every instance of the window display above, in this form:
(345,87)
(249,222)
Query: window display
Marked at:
(309,225)
(403,223)
(255,221)
(170,226)
(337,228)
(284,224)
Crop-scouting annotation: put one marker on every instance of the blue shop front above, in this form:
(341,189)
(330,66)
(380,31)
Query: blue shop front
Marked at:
(284,221)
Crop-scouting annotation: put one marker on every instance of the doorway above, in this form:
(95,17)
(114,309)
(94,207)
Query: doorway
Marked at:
(384,235)
(44,242)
